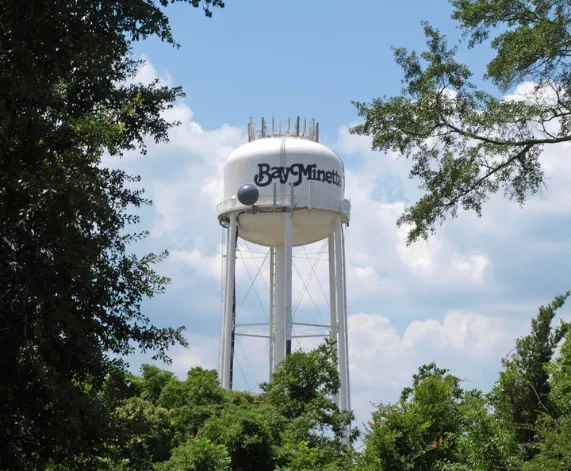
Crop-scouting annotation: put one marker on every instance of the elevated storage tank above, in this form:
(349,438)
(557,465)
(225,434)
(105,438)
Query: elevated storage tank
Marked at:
(290,169)
(284,189)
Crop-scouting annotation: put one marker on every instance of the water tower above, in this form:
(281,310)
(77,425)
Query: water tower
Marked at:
(281,190)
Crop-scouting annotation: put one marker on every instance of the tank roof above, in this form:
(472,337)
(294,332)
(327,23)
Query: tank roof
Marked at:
(273,146)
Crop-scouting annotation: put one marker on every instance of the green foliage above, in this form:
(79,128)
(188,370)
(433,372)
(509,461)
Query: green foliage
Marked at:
(191,402)
(162,422)
(245,434)
(303,390)
(465,143)
(294,425)
(143,435)
(559,372)
(421,429)
(485,444)
(553,431)
(534,43)
(197,455)
(72,290)
(554,446)
(302,457)
(522,391)
(438,426)
(523,424)
(320,381)
(153,382)
(118,386)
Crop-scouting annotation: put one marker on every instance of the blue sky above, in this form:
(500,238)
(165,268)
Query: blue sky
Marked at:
(258,57)
(459,299)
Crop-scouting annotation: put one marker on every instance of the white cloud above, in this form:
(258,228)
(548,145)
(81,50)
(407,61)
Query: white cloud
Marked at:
(207,264)
(202,351)
(378,351)
(148,73)
(529,92)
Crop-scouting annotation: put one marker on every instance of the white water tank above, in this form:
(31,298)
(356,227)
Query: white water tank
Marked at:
(289,168)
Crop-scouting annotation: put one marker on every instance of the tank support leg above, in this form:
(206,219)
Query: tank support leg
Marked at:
(223,308)
(342,346)
(279,312)
(229,302)
(282,321)
(288,261)
(332,298)
(272,310)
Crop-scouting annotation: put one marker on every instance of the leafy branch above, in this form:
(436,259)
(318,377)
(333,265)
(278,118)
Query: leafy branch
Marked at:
(466,144)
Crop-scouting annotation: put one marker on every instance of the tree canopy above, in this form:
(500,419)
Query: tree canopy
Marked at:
(522,424)
(71,293)
(466,143)
(158,421)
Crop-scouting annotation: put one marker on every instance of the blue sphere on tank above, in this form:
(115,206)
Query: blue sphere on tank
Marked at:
(248,195)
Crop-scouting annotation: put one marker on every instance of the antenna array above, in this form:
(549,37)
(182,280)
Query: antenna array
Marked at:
(309,130)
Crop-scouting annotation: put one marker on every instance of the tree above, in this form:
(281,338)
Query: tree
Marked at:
(553,431)
(302,457)
(160,422)
(197,455)
(245,432)
(71,293)
(524,423)
(522,391)
(303,388)
(485,443)
(143,435)
(465,143)
(193,401)
(421,430)
(438,426)
(152,382)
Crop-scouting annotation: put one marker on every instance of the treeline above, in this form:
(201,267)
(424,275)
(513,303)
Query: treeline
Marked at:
(158,422)
(523,423)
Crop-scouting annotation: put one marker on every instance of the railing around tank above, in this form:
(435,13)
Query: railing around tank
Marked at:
(281,202)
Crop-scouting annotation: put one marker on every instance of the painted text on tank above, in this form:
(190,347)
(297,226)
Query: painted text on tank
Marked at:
(266,174)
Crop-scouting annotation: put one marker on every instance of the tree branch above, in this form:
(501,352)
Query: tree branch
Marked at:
(477,183)
(527,142)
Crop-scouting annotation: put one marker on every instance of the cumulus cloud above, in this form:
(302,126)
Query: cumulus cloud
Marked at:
(148,73)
